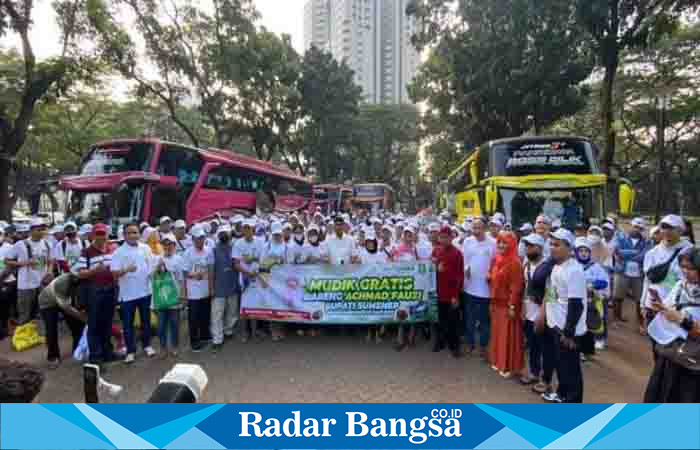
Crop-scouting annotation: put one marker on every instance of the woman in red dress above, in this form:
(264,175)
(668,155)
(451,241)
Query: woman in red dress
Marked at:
(506,280)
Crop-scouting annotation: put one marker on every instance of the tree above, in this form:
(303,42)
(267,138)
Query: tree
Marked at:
(329,103)
(384,147)
(499,68)
(615,26)
(25,81)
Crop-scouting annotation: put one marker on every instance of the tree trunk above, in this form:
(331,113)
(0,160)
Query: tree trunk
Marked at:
(607,114)
(5,202)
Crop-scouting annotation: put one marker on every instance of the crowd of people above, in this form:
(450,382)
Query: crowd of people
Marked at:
(533,302)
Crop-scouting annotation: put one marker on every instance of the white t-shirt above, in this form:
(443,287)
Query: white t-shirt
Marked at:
(72,253)
(174,265)
(183,245)
(532,309)
(275,253)
(424,249)
(243,250)
(659,255)
(197,261)
(373,258)
(477,259)
(296,254)
(135,285)
(567,281)
(5,250)
(30,277)
(340,251)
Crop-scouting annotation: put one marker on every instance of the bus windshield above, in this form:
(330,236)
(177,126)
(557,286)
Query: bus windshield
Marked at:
(545,157)
(120,207)
(569,206)
(118,157)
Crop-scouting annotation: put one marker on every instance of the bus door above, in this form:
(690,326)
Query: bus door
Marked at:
(467,204)
(167,198)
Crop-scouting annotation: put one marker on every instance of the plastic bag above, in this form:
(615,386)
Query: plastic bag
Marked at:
(82,351)
(26,336)
(165,292)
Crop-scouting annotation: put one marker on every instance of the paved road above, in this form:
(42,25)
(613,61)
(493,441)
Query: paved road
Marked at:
(346,369)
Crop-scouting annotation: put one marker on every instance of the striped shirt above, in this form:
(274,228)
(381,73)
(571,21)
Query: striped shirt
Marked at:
(96,256)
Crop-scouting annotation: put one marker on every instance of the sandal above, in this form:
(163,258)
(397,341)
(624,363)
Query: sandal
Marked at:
(540,387)
(505,374)
(527,380)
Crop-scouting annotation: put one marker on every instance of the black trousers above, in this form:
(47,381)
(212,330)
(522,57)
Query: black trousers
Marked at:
(448,321)
(199,316)
(51,317)
(8,297)
(569,374)
(549,354)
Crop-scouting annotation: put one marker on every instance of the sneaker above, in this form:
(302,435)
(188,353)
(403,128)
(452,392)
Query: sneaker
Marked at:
(551,397)
(54,363)
(150,352)
(601,345)
(196,348)
(130,358)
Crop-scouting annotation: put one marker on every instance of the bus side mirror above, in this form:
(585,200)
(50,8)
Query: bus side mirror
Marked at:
(626,199)
(491,199)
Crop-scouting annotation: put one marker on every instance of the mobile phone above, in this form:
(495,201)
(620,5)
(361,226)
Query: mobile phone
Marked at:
(91,378)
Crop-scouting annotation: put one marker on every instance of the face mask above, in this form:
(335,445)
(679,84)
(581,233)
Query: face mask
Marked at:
(298,236)
(594,239)
(635,235)
(71,235)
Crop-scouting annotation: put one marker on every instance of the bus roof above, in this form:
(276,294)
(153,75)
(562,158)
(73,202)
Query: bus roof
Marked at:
(519,139)
(219,155)
(375,184)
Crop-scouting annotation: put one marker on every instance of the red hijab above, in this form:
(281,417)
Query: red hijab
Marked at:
(510,255)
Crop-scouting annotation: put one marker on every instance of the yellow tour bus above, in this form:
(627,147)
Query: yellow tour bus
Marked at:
(527,176)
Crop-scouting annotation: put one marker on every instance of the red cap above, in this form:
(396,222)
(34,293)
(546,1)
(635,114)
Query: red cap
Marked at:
(100,228)
(446,230)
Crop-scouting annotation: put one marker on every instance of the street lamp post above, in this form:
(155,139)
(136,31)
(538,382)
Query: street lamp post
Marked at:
(662,104)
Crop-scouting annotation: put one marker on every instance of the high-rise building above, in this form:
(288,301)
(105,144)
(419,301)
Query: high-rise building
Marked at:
(317,24)
(373,37)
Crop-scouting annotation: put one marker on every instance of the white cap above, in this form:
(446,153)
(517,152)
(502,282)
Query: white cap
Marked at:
(37,222)
(237,219)
(56,229)
(387,227)
(22,228)
(198,231)
(313,227)
(370,235)
(496,221)
(165,219)
(562,234)
(168,237)
(85,228)
(526,227)
(595,228)
(434,227)
(180,224)
(673,221)
(250,223)
(609,226)
(639,222)
(276,228)
(70,224)
(225,228)
(410,229)
(534,239)
(582,242)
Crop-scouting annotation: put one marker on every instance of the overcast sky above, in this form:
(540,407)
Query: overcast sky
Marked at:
(280,16)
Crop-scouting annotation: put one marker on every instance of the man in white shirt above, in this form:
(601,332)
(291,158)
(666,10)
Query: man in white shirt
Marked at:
(246,255)
(32,258)
(67,252)
(340,248)
(478,252)
(542,227)
(132,265)
(197,263)
(183,240)
(565,310)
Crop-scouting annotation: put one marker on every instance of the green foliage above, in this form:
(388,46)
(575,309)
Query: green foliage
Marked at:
(499,68)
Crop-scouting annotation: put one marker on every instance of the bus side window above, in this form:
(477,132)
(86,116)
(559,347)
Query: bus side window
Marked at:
(180,162)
